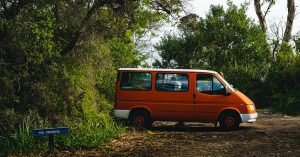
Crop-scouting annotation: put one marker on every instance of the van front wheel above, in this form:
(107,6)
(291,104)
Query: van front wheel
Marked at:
(229,121)
(140,120)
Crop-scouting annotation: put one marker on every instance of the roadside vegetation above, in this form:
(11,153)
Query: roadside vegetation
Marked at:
(58,62)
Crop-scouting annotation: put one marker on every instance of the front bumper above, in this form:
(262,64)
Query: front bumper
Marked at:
(249,117)
(123,114)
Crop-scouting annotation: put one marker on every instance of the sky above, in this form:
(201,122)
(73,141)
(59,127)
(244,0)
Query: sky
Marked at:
(277,15)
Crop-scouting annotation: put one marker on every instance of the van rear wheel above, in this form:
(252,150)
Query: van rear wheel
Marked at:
(140,120)
(229,121)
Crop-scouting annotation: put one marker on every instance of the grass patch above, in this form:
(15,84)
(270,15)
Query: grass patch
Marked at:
(83,134)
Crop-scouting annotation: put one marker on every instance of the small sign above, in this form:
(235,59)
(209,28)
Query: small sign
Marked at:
(50,131)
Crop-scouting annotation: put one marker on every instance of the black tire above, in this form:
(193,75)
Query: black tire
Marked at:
(230,121)
(140,120)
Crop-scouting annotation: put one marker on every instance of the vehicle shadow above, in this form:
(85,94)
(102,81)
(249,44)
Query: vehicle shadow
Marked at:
(196,129)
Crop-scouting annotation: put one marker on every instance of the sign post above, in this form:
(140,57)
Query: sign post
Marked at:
(50,132)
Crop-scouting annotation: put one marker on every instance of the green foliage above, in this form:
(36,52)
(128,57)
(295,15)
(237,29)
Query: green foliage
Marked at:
(223,39)
(124,54)
(18,138)
(16,133)
(25,45)
(89,134)
(287,102)
(78,96)
(284,81)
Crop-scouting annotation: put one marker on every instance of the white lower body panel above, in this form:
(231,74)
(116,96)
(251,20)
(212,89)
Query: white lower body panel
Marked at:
(123,114)
(249,117)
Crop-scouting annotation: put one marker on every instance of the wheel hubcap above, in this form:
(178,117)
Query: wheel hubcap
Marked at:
(229,121)
(139,121)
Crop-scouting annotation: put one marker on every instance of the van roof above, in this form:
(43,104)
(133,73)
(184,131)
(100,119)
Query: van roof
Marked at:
(167,70)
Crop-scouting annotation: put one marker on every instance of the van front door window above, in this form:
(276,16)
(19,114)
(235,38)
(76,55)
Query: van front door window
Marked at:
(209,84)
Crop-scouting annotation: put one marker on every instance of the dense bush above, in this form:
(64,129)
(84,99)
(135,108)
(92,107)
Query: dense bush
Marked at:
(16,135)
(284,81)
(78,94)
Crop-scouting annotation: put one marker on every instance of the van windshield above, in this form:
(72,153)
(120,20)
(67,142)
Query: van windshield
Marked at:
(226,83)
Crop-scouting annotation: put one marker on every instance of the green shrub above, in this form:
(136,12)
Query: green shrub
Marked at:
(78,94)
(16,136)
(89,134)
(18,139)
(283,82)
(288,103)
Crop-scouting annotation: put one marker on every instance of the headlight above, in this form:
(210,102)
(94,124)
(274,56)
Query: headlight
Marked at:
(252,107)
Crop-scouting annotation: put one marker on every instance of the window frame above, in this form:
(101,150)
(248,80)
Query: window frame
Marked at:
(121,76)
(213,91)
(212,84)
(188,81)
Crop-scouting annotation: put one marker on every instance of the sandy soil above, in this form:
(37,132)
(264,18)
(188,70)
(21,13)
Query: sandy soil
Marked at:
(271,135)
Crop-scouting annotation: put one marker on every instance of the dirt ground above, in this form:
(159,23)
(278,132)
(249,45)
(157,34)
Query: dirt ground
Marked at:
(271,135)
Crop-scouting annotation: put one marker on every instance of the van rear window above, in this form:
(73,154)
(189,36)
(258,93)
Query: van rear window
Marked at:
(136,81)
(172,82)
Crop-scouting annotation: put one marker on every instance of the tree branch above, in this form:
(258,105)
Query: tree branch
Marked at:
(14,9)
(98,4)
(268,9)
(3,4)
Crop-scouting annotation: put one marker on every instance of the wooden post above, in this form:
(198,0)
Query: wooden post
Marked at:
(51,144)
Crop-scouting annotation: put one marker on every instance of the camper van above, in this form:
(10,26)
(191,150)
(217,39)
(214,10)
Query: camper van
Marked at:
(184,95)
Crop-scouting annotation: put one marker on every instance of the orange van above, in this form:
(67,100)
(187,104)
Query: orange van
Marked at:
(185,95)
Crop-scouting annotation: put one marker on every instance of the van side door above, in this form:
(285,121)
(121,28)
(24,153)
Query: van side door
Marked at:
(173,97)
(209,97)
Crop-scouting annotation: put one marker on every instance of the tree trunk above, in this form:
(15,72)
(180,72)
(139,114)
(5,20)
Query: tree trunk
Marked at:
(289,20)
(82,27)
(260,15)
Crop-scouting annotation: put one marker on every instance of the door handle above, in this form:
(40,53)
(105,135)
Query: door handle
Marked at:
(194,95)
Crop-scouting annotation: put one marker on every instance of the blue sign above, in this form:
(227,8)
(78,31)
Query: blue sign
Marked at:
(50,131)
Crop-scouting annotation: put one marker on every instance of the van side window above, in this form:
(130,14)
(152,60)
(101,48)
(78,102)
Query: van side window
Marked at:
(172,82)
(209,84)
(136,81)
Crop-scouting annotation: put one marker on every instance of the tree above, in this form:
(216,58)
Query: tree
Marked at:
(262,19)
(282,79)
(188,22)
(42,42)
(219,40)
